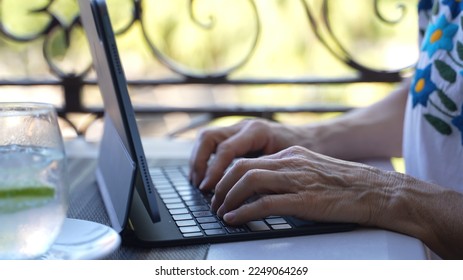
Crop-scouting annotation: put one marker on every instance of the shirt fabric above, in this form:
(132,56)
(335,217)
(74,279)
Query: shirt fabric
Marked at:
(433,128)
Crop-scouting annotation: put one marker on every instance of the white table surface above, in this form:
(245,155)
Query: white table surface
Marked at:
(359,244)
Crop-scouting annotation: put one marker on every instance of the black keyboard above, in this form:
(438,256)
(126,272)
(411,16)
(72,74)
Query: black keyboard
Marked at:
(190,208)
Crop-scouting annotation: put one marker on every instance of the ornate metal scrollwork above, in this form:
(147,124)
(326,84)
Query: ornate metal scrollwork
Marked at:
(336,48)
(208,24)
(400,7)
(55,31)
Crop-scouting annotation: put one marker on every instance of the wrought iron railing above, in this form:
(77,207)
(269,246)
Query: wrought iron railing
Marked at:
(58,21)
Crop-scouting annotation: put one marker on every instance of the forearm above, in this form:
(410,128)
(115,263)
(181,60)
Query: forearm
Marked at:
(428,212)
(374,131)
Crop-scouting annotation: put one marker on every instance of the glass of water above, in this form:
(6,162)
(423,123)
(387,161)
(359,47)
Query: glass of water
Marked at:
(33,186)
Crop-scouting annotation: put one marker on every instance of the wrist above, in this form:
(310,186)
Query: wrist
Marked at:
(406,205)
(327,138)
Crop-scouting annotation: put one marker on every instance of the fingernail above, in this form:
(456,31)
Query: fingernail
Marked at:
(229,217)
(220,212)
(213,202)
(202,186)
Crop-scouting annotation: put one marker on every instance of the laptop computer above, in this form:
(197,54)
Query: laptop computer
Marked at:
(155,205)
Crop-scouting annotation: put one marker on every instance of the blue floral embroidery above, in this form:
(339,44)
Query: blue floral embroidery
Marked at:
(425,5)
(440,108)
(439,36)
(422,86)
(458,122)
(455,6)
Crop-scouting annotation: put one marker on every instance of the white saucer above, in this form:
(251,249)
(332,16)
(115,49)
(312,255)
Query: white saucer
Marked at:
(83,240)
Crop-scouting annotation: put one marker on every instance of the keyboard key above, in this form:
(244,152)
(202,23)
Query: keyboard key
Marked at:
(182,217)
(180,181)
(281,226)
(189,229)
(210,226)
(193,234)
(161,184)
(175,205)
(203,220)
(178,211)
(198,208)
(156,171)
(185,223)
(215,231)
(202,214)
(171,200)
(188,192)
(166,190)
(235,229)
(182,187)
(301,223)
(169,195)
(257,226)
(275,221)
(194,202)
(196,196)
(173,172)
(181,184)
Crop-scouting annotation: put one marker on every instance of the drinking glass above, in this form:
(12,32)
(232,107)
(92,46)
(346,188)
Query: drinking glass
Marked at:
(33,185)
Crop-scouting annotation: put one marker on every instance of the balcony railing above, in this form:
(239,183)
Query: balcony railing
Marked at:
(196,50)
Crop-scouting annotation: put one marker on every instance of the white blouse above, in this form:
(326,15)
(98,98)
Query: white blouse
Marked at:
(433,130)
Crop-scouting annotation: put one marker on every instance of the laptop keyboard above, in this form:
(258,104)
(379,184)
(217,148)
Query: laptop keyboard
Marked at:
(190,208)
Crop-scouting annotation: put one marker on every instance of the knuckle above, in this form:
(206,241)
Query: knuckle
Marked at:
(296,150)
(224,147)
(257,125)
(295,153)
(252,176)
(248,174)
(241,165)
(226,151)
(205,134)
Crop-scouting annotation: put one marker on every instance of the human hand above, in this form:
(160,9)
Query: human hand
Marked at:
(304,184)
(228,143)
